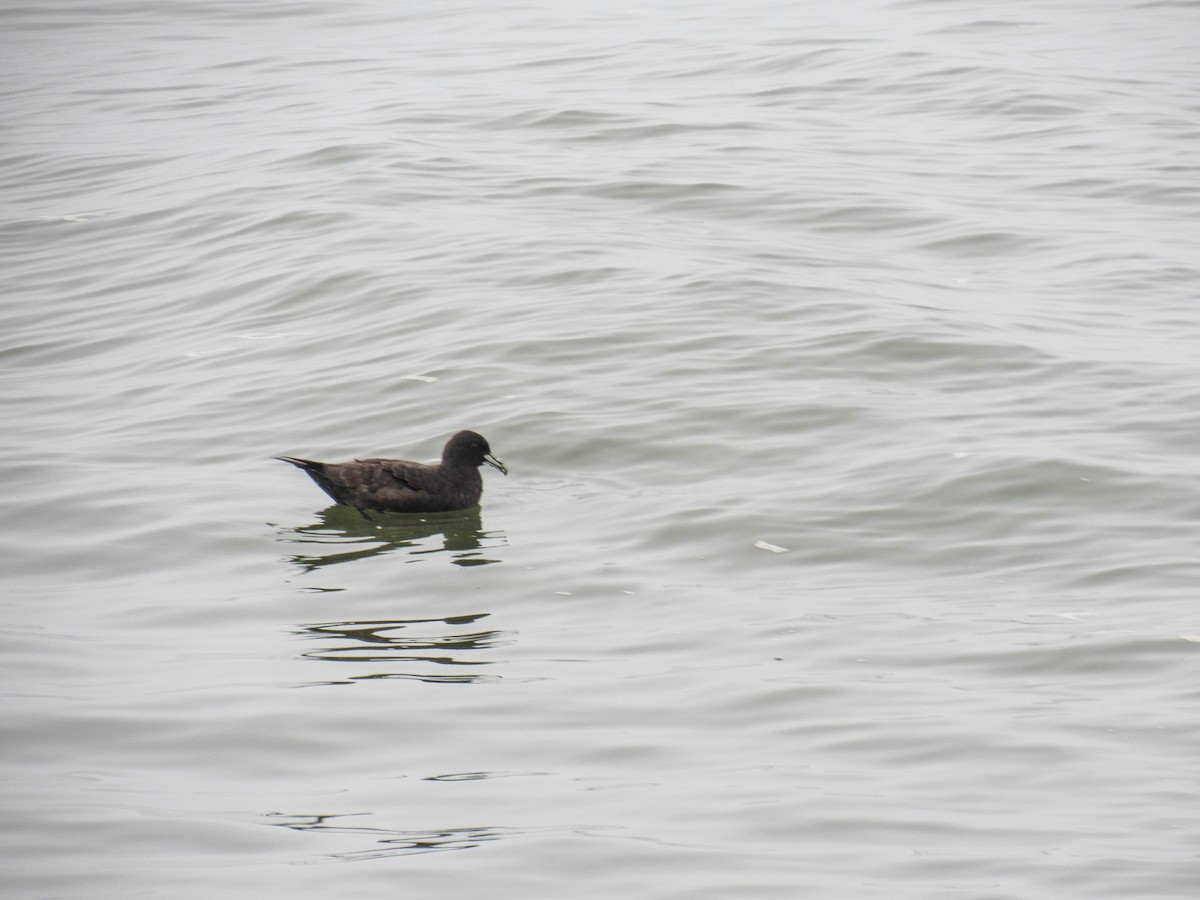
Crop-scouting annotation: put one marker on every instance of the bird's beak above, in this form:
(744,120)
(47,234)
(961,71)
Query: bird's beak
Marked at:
(494,463)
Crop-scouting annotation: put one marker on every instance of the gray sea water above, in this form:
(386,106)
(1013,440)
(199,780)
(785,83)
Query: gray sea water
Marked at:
(844,359)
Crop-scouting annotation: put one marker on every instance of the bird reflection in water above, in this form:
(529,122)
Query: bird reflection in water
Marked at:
(458,533)
(395,842)
(408,648)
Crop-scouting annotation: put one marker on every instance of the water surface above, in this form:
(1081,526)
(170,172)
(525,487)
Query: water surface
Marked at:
(844,361)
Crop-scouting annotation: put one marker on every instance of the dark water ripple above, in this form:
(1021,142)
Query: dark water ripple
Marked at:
(844,363)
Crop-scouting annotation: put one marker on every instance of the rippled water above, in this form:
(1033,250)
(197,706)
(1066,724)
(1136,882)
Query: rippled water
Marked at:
(844,362)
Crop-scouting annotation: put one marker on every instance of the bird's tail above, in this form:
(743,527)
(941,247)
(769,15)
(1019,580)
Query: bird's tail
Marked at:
(307,465)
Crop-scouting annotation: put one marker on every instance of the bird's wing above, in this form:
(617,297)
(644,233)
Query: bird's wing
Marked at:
(402,474)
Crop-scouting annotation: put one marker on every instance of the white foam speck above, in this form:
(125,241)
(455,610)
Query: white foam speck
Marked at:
(774,548)
(74,217)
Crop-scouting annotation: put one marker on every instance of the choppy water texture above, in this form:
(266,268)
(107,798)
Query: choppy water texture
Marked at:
(845,362)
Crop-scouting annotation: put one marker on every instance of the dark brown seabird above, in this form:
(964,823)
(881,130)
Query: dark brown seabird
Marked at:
(397,485)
